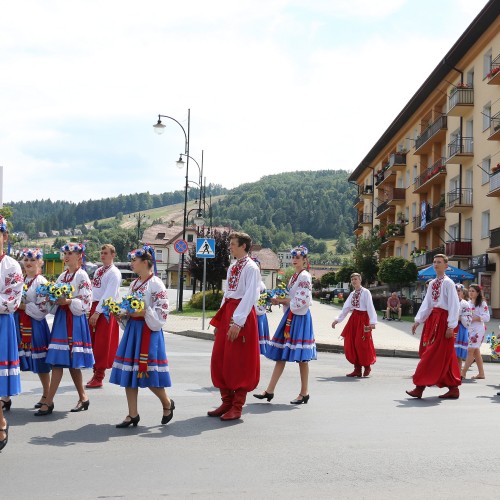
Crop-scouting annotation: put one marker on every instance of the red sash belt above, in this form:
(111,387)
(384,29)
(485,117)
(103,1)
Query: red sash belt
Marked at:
(69,326)
(429,334)
(287,324)
(25,328)
(144,350)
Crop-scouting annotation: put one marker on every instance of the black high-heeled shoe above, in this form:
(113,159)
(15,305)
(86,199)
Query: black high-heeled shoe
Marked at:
(3,442)
(39,404)
(126,423)
(6,405)
(266,395)
(302,401)
(43,413)
(81,406)
(166,419)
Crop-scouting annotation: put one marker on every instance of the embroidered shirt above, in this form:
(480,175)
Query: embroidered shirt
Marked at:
(360,300)
(106,284)
(481,312)
(37,306)
(82,296)
(11,285)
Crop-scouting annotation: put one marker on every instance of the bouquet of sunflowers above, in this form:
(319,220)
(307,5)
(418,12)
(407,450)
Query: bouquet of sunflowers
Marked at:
(263,299)
(53,291)
(25,291)
(494,342)
(130,304)
(280,292)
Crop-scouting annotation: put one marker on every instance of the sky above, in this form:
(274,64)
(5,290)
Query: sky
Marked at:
(272,85)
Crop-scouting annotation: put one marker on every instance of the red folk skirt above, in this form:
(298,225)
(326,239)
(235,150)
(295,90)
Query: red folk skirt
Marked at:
(235,365)
(358,344)
(438,359)
(104,339)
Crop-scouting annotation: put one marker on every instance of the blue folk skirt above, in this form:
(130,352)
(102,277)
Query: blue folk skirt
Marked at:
(125,371)
(32,358)
(462,342)
(299,345)
(74,350)
(10,378)
(263,333)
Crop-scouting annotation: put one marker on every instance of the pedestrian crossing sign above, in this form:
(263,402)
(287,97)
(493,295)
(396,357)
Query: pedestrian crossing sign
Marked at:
(205,248)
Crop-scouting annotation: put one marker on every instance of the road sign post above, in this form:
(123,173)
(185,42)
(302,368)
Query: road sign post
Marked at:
(205,249)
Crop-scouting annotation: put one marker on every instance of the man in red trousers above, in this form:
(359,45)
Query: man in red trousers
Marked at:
(438,360)
(104,332)
(235,364)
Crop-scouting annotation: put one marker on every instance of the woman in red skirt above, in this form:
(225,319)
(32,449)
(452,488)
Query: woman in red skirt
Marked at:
(358,342)
(438,360)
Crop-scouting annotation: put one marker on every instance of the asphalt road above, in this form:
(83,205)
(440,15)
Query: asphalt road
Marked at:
(357,438)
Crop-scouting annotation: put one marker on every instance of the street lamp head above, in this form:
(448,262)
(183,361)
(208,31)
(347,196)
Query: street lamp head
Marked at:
(158,127)
(199,220)
(180,163)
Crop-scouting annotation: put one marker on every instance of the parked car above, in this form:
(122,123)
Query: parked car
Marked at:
(344,291)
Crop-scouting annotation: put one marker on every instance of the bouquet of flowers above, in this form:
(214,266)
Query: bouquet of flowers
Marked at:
(25,291)
(494,342)
(53,291)
(130,304)
(280,292)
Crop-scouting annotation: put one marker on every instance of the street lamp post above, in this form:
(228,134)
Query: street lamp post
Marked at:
(159,129)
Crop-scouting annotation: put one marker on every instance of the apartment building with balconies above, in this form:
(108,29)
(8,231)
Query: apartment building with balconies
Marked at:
(431,183)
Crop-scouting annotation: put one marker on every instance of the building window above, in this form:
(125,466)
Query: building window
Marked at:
(470,78)
(415,174)
(190,238)
(159,255)
(398,252)
(413,210)
(413,245)
(405,251)
(468,229)
(453,230)
(485,170)
(487,58)
(486,116)
(485,224)
(408,179)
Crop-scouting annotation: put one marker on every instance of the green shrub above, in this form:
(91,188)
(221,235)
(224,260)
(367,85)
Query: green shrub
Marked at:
(212,300)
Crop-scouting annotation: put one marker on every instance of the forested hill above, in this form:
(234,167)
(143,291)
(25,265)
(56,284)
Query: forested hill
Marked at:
(45,215)
(319,203)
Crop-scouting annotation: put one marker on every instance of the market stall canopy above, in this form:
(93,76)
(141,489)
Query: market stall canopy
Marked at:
(454,273)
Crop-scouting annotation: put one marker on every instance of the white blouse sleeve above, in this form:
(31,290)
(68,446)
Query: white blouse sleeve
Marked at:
(39,307)
(82,296)
(300,302)
(483,312)
(465,314)
(11,286)
(157,308)
(346,309)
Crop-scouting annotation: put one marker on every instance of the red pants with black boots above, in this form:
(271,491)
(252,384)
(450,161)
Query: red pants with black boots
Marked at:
(235,366)
(358,344)
(104,344)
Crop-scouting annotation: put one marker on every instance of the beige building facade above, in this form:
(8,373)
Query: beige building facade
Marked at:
(431,183)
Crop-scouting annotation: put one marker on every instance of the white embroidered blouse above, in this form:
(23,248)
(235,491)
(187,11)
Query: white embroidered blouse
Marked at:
(82,296)
(483,313)
(37,306)
(360,300)
(465,317)
(443,294)
(11,285)
(300,293)
(243,282)
(106,284)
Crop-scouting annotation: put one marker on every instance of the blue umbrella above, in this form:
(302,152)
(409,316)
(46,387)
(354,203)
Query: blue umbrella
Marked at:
(452,272)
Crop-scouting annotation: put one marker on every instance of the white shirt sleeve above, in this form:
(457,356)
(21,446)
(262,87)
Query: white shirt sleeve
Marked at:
(82,296)
(425,308)
(301,300)
(465,313)
(448,287)
(112,287)
(370,308)
(346,309)
(11,285)
(251,277)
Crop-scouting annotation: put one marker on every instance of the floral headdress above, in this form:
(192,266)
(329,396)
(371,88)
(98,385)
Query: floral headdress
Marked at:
(139,252)
(3,224)
(300,250)
(459,286)
(75,247)
(32,253)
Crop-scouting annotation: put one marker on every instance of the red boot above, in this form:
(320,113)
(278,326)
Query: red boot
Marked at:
(227,402)
(453,393)
(97,379)
(367,371)
(417,392)
(356,372)
(240,396)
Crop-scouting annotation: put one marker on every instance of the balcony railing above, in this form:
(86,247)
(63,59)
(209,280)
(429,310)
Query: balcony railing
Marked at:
(494,74)
(495,128)
(396,194)
(494,184)
(383,207)
(459,248)
(495,239)
(461,146)
(427,258)
(367,190)
(397,159)
(421,221)
(438,167)
(459,197)
(440,124)
(395,231)
(460,97)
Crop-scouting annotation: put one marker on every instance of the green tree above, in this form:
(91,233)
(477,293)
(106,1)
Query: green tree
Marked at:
(343,245)
(397,271)
(365,257)
(328,279)
(344,273)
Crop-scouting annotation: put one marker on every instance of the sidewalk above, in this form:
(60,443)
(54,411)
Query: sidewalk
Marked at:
(391,338)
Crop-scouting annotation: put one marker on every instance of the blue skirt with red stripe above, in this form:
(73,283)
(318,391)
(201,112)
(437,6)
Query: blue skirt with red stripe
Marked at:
(10,378)
(74,352)
(126,365)
(263,333)
(300,346)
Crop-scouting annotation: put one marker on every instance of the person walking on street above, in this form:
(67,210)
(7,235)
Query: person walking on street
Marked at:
(440,310)
(358,342)
(294,338)
(235,363)
(462,330)
(103,331)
